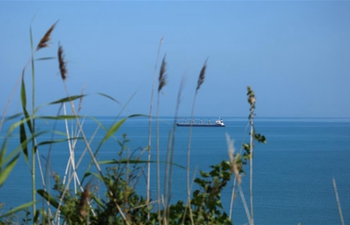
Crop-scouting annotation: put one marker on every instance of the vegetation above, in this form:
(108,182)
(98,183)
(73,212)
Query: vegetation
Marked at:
(72,200)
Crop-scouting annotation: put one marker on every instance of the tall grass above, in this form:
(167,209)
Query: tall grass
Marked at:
(161,83)
(200,81)
(251,100)
(148,190)
(121,204)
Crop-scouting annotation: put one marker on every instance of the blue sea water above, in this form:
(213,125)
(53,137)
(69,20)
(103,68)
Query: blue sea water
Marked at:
(292,173)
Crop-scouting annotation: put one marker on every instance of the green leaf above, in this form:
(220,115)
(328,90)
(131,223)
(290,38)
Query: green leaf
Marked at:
(12,117)
(23,93)
(125,161)
(24,101)
(67,99)
(2,152)
(58,141)
(15,125)
(94,174)
(114,129)
(107,96)
(45,58)
(61,117)
(204,174)
(17,149)
(23,139)
(19,208)
(8,168)
(99,202)
(48,197)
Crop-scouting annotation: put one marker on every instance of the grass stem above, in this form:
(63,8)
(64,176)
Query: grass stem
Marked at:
(148,190)
(338,201)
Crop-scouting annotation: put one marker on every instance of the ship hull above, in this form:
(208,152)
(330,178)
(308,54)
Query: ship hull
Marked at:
(199,125)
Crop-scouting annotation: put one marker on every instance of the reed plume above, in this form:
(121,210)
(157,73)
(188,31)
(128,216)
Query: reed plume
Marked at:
(62,63)
(46,38)
(42,44)
(251,97)
(201,75)
(251,101)
(162,75)
(83,206)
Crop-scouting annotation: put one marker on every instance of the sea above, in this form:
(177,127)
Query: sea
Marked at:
(293,172)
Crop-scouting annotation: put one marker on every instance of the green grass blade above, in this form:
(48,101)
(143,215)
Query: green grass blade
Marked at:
(67,99)
(58,141)
(134,161)
(17,149)
(31,38)
(45,58)
(62,117)
(107,96)
(23,94)
(48,197)
(12,117)
(98,176)
(113,129)
(15,125)
(19,208)
(24,104)
(7,170)
(3,152)
(110,133)
(99,202)
(116,127)
(23,140)
(124,161)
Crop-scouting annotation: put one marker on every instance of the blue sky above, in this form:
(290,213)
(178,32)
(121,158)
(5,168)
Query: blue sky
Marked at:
(294,54)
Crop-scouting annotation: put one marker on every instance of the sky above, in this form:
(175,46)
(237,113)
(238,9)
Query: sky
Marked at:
(294,54)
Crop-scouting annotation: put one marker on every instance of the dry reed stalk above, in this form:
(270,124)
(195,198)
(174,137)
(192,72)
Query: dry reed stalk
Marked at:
(121,213)
(235,168)
(245,204)
(42,44)
(170,154)
(63,70)
(81,98)
(251,100)
(233,159)
(168,177)
(162,82)
(199,83)
(148,190)
(338,201)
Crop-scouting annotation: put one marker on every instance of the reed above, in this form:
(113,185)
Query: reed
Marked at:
(338,201)
(122,204)
(162,80)
(188,180)
(63,71)
(62,63)
(170,158)
(251,101)
(31,126)
(148,190)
